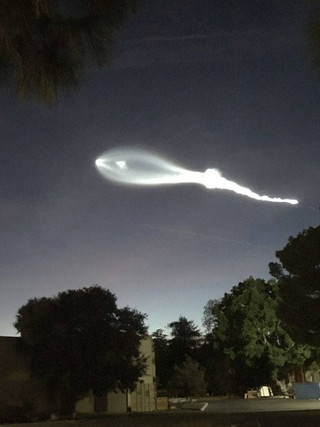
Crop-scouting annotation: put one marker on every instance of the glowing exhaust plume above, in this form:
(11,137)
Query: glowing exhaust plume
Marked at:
(137,167)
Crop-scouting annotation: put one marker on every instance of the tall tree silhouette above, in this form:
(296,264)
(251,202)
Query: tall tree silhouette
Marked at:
(247,332)
(185,338)
(298,275)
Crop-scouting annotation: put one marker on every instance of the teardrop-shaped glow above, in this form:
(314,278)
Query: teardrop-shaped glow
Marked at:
(138,167)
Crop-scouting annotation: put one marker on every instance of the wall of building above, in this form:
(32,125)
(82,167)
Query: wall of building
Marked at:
(18,389)
(113,403)
(86,404)
(143,398)
(147,350)
(117,402)
(313,376)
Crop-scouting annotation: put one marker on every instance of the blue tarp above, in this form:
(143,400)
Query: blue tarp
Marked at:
(307,390)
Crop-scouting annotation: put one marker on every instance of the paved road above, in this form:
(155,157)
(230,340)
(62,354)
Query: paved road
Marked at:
(260,405)
(230,413)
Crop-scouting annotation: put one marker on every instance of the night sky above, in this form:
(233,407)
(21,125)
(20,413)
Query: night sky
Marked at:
(207,84)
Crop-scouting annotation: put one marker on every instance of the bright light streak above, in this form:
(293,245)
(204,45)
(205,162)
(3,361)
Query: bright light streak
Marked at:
(99,163)
(138,167)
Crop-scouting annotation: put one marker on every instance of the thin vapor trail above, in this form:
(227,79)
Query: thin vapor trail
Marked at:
(205,236)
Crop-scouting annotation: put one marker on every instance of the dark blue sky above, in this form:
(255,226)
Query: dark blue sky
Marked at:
(208,84)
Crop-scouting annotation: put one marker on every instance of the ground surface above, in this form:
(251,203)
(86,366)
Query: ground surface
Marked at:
(231,413)
(261,405)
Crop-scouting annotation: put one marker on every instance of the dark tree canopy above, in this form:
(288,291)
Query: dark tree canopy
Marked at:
(188,379)
(80,341)
(246,329)
(171,352)
(161,347)
(299,280)
(46,45)
(184,339)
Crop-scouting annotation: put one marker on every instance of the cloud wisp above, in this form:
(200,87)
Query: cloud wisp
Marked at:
(207,47)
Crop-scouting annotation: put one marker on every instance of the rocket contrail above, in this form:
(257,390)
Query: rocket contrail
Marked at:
(205,236)
(138,167)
